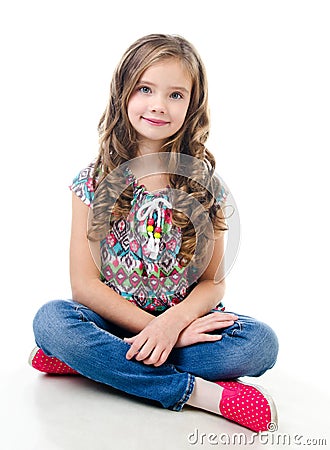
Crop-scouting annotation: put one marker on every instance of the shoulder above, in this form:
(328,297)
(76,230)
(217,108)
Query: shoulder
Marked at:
(82,184)
(220,190)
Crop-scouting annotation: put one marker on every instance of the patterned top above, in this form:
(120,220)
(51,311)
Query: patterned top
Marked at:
(149,276)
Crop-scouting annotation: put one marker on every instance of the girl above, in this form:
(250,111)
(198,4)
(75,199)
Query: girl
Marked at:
(146,315)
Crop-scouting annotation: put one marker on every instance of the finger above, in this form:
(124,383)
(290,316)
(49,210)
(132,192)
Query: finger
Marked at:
(215,318)
(130,341)
(217,326)
(224,315)
(203,323)
(162,359)
(154,356)
(212,324)
(225,324)
(210,337)
(204,337)
(135,347)
(145,350)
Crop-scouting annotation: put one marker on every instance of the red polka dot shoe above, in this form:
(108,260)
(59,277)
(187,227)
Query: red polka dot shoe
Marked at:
(49,364)
(248,406)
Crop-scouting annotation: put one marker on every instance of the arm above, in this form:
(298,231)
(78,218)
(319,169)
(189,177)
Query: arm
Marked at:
(209,291)
(204,297)
(86,286)
(185,324)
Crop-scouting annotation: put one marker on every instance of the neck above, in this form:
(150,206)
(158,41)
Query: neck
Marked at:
(153,163)
(146,148)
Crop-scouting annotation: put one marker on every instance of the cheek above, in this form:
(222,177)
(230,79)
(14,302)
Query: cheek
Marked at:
(134,107)
(129,113)
(181,115)
(130,109)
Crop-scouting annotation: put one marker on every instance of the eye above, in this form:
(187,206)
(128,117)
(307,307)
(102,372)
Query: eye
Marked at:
(176,95)
(145,89)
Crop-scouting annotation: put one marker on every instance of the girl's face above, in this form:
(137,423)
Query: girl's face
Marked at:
(158,105)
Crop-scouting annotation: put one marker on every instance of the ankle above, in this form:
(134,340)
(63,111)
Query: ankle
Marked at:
(206,395)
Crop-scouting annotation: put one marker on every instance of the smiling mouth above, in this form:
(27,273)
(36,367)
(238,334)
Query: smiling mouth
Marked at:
(155,122)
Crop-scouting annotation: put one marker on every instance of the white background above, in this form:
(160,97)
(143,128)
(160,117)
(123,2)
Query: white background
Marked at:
(268,70)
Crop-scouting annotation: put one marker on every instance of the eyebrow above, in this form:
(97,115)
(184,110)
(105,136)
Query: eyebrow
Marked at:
(178,88)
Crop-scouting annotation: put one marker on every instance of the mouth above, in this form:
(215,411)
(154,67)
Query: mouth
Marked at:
(155,122)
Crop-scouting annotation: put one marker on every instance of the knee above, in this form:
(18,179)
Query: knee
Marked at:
(48,321)
(267,347)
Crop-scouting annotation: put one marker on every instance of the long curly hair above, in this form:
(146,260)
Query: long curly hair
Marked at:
(119,143)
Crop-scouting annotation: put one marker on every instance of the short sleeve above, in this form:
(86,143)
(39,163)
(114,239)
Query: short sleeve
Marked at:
(221,191)
(82,185)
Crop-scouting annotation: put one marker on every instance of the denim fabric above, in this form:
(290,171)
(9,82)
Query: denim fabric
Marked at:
(94,347)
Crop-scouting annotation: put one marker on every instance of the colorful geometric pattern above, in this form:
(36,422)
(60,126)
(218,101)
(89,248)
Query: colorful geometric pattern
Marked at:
(126,266)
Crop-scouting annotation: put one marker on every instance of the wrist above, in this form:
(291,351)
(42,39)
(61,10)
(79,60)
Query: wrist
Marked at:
(178,317)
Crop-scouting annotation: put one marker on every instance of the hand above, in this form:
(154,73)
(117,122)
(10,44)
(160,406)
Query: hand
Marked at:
(154,343)
(198,330)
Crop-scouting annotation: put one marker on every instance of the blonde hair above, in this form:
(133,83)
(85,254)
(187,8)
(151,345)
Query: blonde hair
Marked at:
(119,141)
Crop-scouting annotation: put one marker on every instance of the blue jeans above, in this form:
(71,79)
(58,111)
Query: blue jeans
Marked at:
(94,347)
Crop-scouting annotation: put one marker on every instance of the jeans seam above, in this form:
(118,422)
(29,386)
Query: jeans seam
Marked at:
(185,397)
(236,330)
(108,333)
(81,315)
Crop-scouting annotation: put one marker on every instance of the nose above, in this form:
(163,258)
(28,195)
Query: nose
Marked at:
(157,105)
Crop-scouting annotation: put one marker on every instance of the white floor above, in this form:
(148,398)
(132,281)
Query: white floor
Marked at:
(42,412)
